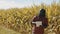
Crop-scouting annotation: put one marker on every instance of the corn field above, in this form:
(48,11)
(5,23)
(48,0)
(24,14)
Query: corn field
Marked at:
(19,19)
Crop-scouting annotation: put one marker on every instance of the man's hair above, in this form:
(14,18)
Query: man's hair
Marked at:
(42,13)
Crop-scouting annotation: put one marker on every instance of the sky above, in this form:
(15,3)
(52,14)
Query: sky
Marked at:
(5,4)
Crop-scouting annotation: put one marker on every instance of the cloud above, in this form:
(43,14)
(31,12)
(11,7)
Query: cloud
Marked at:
(10,4)
(5,4)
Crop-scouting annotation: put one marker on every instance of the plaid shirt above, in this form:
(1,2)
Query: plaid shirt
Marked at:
(40,29)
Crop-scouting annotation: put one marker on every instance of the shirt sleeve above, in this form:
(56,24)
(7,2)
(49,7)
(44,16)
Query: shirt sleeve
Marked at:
(35,19)
(45,23)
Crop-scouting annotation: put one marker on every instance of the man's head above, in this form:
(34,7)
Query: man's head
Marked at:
(42,13)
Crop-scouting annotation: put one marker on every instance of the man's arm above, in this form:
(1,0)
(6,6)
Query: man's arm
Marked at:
(45,23)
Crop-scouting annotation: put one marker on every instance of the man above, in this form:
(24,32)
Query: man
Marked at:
(41,22)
